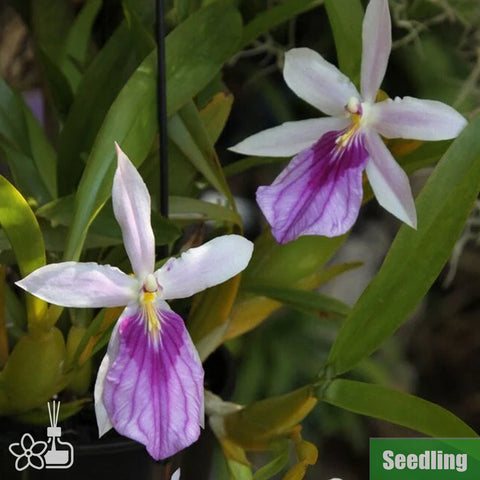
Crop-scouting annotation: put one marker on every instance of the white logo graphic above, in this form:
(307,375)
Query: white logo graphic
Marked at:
(34,454)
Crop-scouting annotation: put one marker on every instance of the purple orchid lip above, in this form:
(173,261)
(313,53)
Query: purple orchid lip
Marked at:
(328,211)
(150,383)
(320,191)
(154,387)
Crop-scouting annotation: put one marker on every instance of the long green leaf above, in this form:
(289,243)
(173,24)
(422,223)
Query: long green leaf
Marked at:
(396,407)
(346,21)
(101,84)
(23,232)
(25,148)
(310,302)
(184,210)
(130,122)
(282,266)
(417,256)
(281,455)
(197,49)
(188,132)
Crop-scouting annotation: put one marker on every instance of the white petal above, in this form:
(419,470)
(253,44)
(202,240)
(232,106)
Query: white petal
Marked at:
(289,138)
(389,182)
(176,475)
(317,81)
(81,285)
(377,44)
(131,205)
(199,268)
(103,421)
(416,119)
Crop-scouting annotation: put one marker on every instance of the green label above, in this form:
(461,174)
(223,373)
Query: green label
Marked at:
(424,458)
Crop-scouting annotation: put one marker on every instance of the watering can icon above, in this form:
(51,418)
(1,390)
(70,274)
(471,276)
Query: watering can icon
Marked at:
(60,454)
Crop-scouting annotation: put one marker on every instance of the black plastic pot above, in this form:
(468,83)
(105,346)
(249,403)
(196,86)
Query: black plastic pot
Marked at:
(113,456)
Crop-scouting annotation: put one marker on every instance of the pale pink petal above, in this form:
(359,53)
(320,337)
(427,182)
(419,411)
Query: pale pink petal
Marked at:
(203,267)
(389,182)
(153,391)
(319,193)
(103,421)
(377,44)
(317,81)
(289,138)
(81,285)
(131,205)
(416,119)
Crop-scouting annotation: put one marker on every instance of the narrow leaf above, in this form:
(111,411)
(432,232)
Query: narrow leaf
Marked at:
(24,146)
(184,210)
(276,265)
(100,85)
(396,407)
(309,302)
(215,114)
(346,18)
(188,132)
(23,232)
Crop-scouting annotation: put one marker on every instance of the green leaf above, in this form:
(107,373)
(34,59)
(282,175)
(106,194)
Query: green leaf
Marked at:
(274,16)
(73,56)
(396,407)
(25,148)
(416,257)
(58,84)
(215,115)
(309,302)
(130,121)
(345,18)
(78,39)
(248,163)
(60,212)
(197,49)
(184,210)
(276,265)
(239,471)
(101,84)
(281,455)
(51,20)
(187,131)
(23,232)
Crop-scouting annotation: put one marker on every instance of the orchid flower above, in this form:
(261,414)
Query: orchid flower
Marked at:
(150,383)
(320,191)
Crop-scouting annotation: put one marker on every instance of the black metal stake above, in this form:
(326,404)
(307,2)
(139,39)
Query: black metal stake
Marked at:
(162,108)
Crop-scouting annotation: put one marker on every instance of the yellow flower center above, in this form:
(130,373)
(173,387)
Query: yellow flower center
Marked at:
(354,111)
(147,300)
